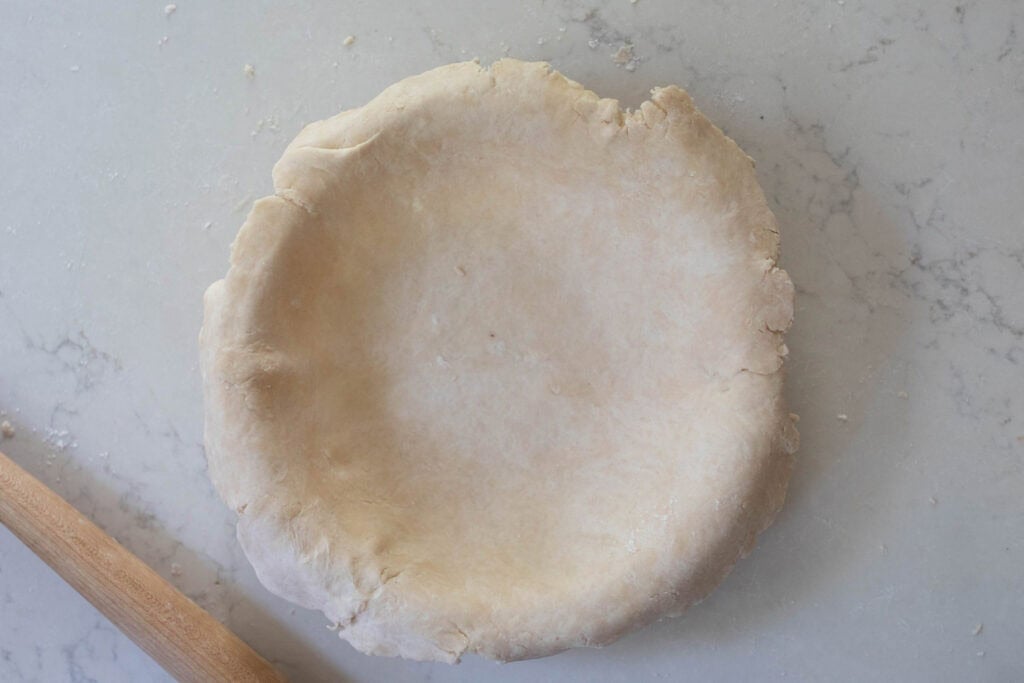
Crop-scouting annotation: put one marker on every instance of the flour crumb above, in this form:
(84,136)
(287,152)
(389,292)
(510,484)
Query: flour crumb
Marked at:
(170,9)
(842,417)
(162,41)
(902,394)
(74,68)
(541,41)
(348,41)
(632,2)
(592,43)
(977,630)
(933,500)
(207,225)
(333,626)
(981,653)
(249,70)
(7,429)
(175,569)
(625,58)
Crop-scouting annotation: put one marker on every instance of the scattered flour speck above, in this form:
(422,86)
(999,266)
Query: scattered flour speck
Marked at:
(59,439)
(249,70)
(271,123)
(170,9)
(348,41)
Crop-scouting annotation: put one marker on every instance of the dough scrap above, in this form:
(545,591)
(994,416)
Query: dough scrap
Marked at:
(498,367)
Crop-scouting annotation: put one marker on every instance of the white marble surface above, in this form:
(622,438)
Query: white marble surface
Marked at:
(888,136)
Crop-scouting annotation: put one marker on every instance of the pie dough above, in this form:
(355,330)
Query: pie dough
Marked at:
(498,367)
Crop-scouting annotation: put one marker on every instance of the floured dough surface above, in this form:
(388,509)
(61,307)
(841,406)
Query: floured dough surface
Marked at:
(498,369)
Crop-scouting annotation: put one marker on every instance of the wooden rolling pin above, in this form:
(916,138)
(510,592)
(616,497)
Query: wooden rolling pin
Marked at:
(182,637)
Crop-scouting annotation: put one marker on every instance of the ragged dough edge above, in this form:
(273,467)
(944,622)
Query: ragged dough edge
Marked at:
(269,526)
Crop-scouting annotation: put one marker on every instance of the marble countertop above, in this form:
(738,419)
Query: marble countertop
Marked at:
(888,137)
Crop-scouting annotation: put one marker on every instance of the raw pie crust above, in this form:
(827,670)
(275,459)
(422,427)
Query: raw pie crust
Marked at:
(498,368)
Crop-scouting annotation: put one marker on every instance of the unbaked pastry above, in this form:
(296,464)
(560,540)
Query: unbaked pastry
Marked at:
(498,368)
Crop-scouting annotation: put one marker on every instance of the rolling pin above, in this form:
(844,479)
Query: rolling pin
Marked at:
(183,638)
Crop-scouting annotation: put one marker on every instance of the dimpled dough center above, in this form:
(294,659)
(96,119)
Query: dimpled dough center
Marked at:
(498,368)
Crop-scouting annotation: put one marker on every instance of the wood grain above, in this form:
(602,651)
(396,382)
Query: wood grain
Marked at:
(183,638)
